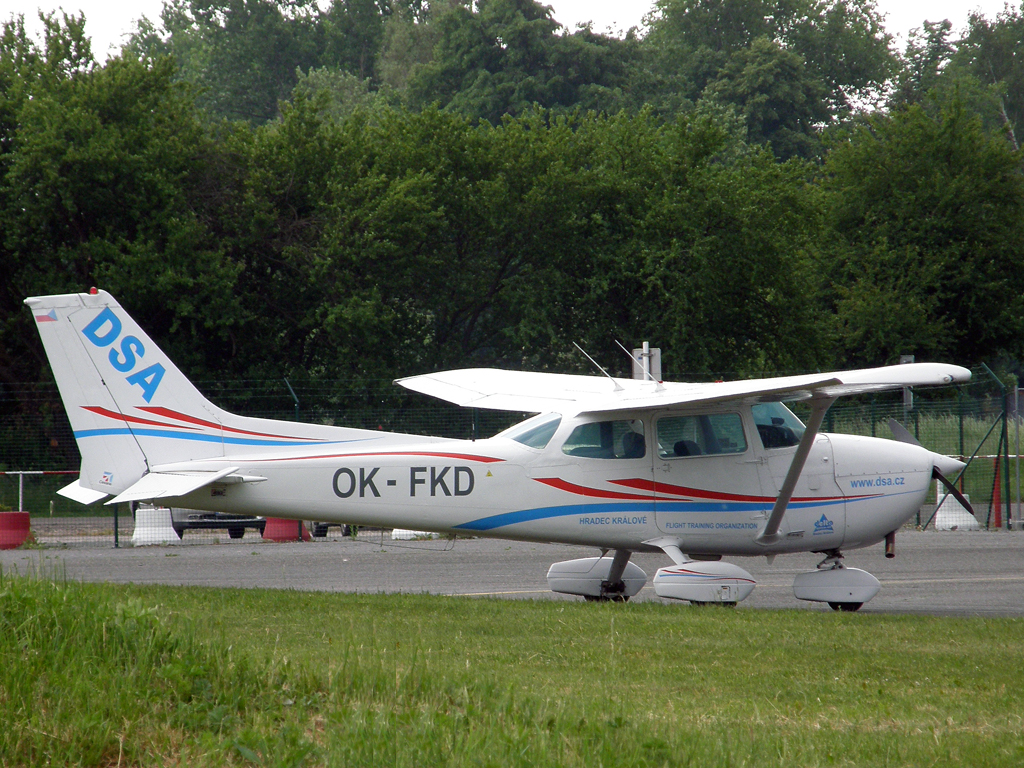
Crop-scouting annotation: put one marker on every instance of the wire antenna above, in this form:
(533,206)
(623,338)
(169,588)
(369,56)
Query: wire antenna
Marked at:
(618,387)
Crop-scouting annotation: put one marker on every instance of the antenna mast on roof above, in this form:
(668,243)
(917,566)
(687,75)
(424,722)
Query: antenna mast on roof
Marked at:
(618,387)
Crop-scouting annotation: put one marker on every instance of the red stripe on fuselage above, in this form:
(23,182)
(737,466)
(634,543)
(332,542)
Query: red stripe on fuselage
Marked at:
(167,413)
(698,493)
(425,454)
(580,490)
(693,493)
(129,419)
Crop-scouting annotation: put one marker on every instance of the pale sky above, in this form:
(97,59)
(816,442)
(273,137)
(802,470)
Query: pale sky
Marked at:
(106,21)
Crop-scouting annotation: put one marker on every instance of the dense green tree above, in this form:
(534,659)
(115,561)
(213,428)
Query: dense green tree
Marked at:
(993,53)
(416,237)
(27,69)
(791,66)
(408,41)
(242,54)
(842,42)
(354,32)
(411,241)
(982,67)
(781,103)
(928,53)
(27,72)
(344,92)
(106,183)
(501,57)
(675,233)
(927,210)
(246,56)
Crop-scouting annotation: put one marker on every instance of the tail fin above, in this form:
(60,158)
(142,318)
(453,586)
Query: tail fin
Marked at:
(130,407)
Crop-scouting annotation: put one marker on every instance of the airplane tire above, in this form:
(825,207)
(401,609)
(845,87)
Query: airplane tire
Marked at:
(845,607)
(606,598)
(236,532)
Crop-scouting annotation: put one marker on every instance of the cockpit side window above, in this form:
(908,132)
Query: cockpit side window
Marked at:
(607,440)
(703,435)
(776,425)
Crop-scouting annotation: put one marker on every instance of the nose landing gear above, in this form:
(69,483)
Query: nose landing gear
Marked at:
(844,589)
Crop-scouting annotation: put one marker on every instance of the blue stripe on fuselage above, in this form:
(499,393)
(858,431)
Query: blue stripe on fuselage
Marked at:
(529,515)
(662,507)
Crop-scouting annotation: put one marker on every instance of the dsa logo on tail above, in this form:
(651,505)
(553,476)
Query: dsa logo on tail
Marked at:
(104,331)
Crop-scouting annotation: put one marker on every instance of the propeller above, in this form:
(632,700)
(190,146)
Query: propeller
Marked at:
(903,435)
(951,487)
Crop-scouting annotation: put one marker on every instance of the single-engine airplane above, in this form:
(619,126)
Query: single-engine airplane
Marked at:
(697,471)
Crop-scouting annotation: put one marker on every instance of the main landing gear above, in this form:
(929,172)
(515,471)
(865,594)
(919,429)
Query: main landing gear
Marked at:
(615,579)
(598,579)
(844,589)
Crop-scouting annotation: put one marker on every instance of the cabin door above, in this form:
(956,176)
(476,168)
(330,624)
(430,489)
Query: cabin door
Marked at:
(707,480)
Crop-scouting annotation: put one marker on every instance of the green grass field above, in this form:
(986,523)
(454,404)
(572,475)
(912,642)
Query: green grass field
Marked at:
(112,675)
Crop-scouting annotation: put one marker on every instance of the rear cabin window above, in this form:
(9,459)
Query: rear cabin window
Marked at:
(607,440)
(705,435)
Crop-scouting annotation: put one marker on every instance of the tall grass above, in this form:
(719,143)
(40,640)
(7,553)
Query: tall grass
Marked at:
(92,676)
(110,675)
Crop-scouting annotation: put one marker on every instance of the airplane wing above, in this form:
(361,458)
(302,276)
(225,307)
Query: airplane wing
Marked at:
(528,392)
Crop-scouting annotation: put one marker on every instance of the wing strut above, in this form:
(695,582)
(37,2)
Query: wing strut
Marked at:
(770,534)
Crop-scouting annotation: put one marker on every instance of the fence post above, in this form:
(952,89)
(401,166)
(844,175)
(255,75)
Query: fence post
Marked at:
(1016,426)
(960,415)
(1004,443)
(1006,455)
(294,397)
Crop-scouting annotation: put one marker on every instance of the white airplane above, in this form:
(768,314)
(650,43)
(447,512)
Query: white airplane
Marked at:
(696,471)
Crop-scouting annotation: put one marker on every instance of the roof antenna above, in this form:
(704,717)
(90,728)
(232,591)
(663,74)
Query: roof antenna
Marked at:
(618,387)
(659,386)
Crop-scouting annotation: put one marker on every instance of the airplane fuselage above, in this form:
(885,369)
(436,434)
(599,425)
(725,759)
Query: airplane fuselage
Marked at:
(852,492)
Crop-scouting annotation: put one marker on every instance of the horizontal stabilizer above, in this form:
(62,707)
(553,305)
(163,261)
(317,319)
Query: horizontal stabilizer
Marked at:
(159,485)
(77,492)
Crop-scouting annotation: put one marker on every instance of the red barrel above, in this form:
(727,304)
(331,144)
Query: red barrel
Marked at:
(14,529)
(284,530)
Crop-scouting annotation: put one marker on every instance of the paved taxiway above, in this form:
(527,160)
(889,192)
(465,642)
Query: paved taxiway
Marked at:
(949,573)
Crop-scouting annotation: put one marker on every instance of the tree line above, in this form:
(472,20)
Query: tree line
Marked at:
(384,188)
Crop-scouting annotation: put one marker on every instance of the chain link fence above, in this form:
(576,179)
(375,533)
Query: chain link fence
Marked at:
(38,454)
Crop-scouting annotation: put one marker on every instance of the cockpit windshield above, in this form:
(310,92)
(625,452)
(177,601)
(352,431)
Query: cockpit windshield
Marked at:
(777,425)
(535,432)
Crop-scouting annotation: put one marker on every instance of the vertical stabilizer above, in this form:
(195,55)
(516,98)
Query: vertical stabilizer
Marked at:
(129,405)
